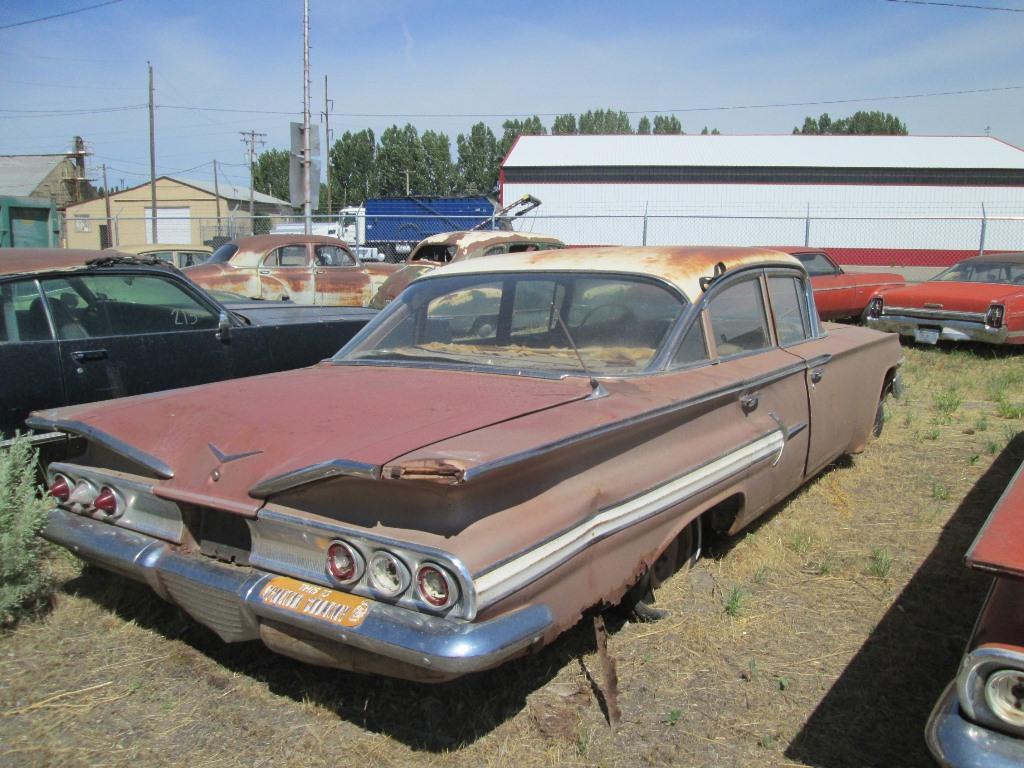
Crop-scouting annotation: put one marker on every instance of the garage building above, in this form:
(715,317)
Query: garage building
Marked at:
(872,196)
(187,212)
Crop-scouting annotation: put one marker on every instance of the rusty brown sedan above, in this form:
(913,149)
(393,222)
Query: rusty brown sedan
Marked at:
(601,408)
(306,269)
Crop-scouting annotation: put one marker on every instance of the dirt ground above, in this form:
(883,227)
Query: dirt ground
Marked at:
(821,637)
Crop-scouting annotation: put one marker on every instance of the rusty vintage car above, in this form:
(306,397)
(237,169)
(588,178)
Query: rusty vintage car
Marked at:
(841,295)
(603,406)
(450,247)
(977,299)
(979,719)
(305,269)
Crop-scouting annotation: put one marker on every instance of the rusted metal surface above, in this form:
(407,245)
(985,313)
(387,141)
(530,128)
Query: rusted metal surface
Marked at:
(680,266)
(539,494)
(248,273)
(16,261)
(456,246)
(609,672)
(999,546)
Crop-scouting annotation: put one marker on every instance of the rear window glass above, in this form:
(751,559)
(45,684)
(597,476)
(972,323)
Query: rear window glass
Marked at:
(523,322)
(738,319)
(224,253)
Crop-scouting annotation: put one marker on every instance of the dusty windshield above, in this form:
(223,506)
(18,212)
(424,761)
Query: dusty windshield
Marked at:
(983,272)
(515,321)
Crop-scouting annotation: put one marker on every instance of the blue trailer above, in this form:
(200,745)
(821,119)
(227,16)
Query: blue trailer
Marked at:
(395,224)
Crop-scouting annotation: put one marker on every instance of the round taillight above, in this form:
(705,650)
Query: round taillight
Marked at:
(436,586)
(60,488)
(388,574)
(106,501)
(344,564)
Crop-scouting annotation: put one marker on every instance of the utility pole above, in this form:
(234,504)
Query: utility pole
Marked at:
(407,183)
(216,193)
(307,207)
(252,138)
(106,200)
(152,155)
(327,138)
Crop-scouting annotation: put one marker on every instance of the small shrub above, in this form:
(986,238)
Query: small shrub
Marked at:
(784,683)
(973,459)
(761,575)
(24,578)
(1008,410)
(800,542)
(734,602)
(939,492)
(992,447)
(672,718)
(947,401)
(931,434)
(880,563)
(981,424)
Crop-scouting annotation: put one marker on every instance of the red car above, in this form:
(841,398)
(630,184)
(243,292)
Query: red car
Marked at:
(978,299)
(839,294)
(979,719)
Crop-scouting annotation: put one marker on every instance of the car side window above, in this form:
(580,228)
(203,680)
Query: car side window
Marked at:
(817,264)
(22,314)
(789,304)
(495,251)
(333,256)
(117,305)
(287,256)
(738,318)
(693,348)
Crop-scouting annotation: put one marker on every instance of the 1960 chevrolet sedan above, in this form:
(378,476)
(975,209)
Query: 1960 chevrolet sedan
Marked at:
(603,406)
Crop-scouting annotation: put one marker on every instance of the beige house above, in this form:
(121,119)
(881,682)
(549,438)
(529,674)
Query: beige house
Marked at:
(186,212)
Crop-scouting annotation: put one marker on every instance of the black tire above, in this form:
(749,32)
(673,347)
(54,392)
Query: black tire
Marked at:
(879,425)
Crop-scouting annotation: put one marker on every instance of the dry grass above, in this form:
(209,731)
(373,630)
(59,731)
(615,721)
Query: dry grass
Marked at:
(820,637)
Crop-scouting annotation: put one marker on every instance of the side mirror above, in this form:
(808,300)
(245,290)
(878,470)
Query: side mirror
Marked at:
(224,328)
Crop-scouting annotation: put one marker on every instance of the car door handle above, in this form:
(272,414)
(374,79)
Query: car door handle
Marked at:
(817,375)
(749,402)
(89,354)
(264,271)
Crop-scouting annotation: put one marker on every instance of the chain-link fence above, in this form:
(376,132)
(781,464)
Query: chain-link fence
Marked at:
(924,241)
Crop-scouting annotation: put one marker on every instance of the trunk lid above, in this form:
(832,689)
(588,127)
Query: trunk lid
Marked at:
(999,546)
(952,296)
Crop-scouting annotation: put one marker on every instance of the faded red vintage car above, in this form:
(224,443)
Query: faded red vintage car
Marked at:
(977,299)
(306,269)
(449,247)
(979,719)
(838,294)
(603,406)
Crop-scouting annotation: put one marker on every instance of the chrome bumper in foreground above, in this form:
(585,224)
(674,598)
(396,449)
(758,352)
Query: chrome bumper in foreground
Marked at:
(956,742)
(235,603)
(949,329)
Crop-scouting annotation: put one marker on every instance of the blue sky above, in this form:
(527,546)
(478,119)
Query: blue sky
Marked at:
(390,59)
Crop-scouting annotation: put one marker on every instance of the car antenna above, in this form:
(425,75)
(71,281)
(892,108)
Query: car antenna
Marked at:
(595,385)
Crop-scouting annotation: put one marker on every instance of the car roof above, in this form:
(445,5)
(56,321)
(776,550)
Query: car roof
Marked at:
(266,242)
(795,249)
(17,261)
(147,247)
(466,238)
(1001,258)
(681,266)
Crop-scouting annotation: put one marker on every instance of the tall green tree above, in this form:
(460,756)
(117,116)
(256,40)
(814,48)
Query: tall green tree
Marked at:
(859,123)
(605,121)
(564,125)
(401,153)
(442,176)
(713,132)
(353,177)
(644,126)
(667,124)
(513,129)
(478,160)
(270,173)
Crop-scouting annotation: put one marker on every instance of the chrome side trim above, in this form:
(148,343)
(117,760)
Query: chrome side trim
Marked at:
(36,438)
(227,598)
(604,429)
(312,473)
(503,579)
(956,742)
(795,430)
(118,446)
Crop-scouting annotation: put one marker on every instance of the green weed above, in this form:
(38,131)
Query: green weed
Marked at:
(880,562)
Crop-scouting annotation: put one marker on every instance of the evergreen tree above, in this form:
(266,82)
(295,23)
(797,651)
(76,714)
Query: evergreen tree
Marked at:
(478,160)
(441,174)
(352,167)
(605,121)
(531,126)
(644,126)
(401,164)
(859,124)
(667,124)
(564,125)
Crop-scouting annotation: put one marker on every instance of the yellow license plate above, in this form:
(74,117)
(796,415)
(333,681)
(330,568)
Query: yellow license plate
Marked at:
(315,602)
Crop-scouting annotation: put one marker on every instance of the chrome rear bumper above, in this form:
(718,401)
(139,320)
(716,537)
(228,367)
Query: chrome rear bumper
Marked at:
(227,598)
(958,743)
(949,329)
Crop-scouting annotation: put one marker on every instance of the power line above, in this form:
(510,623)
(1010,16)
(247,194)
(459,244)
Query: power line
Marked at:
(970,6)
(58,15)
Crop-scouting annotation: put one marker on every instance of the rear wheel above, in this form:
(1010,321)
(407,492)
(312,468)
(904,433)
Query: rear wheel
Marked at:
(879,424)
(680,554)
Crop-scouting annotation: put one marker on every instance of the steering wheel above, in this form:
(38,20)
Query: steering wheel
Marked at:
(625,314)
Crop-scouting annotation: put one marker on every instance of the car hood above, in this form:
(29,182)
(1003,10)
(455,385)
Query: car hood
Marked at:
(999,546)
(217,441)
(960,297)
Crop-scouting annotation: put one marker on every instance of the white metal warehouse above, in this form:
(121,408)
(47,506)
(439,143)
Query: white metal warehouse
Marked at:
(862,193)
